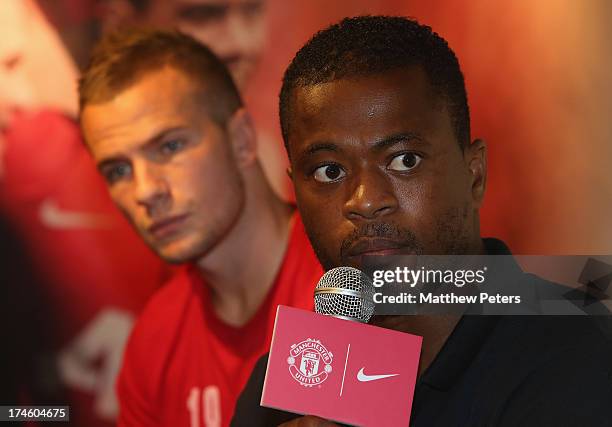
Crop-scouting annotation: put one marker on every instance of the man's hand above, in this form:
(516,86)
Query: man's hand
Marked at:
(309,421)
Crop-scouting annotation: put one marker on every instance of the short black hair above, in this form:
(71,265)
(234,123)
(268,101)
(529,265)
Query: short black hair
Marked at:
(123,57)
(367,45)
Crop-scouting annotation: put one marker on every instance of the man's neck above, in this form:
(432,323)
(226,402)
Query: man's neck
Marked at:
(241,269)
(435,329)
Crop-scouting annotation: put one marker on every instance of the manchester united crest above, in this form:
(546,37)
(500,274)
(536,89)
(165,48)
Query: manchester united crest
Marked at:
(309,362)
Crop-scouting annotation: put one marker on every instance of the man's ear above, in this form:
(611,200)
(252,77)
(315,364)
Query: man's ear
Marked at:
(115,14)
(475,155)
(242,136)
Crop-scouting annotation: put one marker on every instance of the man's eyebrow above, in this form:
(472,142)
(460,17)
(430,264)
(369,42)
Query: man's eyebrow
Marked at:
(319,146)
(155,139)
(108,162)
(391,140)
(378,145)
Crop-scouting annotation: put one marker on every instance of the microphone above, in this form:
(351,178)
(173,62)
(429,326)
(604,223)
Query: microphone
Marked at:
(329,363)
(346,293)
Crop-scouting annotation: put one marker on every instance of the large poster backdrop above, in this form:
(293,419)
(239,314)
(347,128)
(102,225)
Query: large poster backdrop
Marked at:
(539,86)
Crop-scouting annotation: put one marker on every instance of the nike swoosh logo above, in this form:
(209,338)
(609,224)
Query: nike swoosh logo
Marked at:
(53,216)
(365,378)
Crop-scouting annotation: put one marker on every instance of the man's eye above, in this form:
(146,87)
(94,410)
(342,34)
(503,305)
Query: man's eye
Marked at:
(172,146)
(405,162)
(117,173)
(328,173)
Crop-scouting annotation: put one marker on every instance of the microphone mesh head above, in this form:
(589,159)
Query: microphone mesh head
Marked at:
(345,292)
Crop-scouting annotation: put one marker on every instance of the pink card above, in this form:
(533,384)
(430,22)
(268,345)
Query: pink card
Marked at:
(339,370)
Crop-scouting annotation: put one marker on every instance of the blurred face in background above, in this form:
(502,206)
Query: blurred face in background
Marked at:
(8,100)
(235,30)
(28,45)
(168,166)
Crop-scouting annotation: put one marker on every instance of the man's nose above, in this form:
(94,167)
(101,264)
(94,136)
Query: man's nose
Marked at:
(151,189)
(370,196)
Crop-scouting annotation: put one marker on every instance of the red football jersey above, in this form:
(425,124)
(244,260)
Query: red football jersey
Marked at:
(183,366)
(98,273)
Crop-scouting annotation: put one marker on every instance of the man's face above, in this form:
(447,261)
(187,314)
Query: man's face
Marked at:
(168,166)
(377,170)
(235,30)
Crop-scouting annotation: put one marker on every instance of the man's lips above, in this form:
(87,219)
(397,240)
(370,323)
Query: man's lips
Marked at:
(374,247)
(167,226)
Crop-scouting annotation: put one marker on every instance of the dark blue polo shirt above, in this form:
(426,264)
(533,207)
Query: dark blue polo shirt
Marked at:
(499,371)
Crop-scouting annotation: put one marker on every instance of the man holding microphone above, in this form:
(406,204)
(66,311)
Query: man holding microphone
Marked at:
(376,123)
